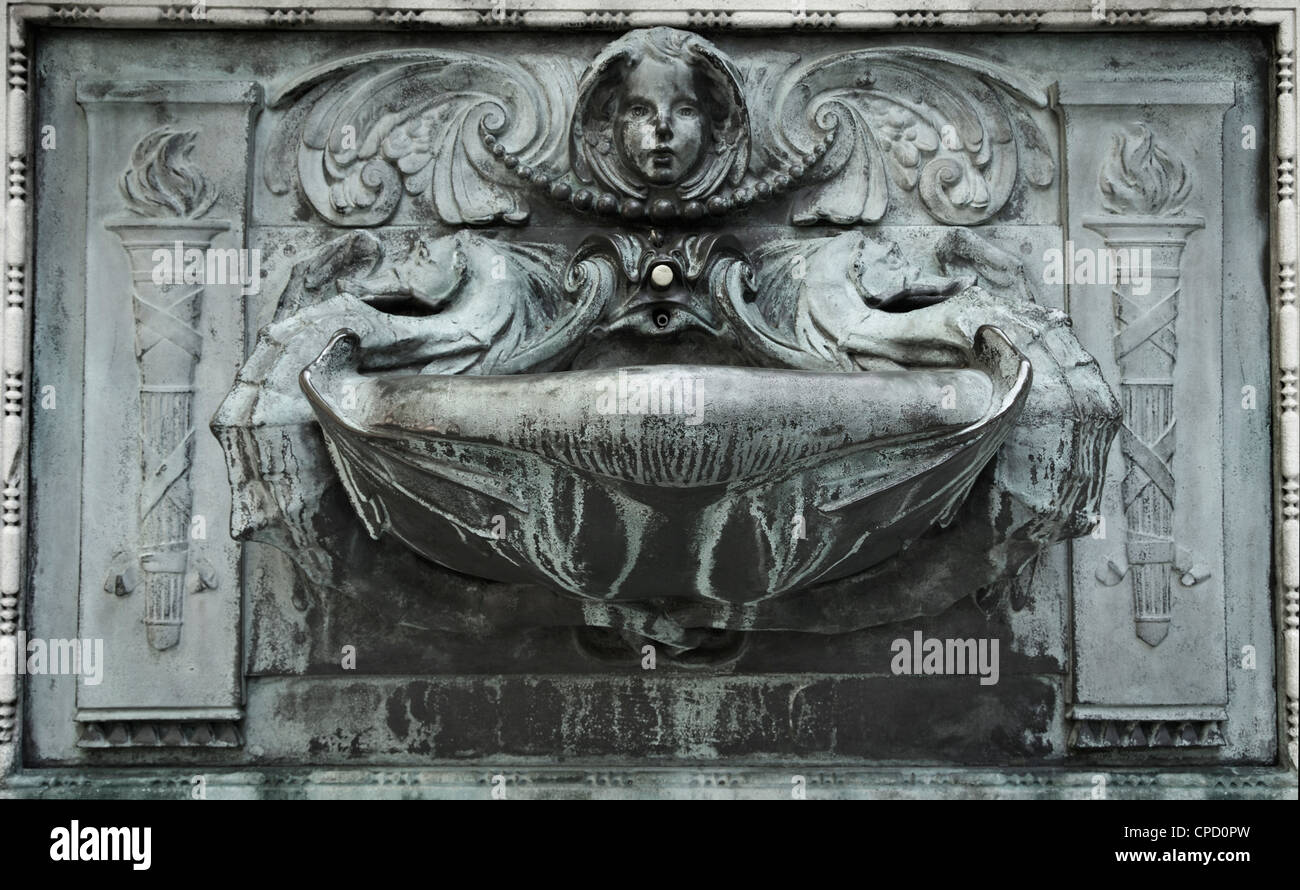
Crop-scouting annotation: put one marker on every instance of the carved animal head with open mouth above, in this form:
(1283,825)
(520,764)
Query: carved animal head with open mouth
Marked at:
(676,413)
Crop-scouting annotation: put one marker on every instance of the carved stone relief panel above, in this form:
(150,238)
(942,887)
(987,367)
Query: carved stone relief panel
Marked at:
(1150,196)
(165,218)
(656,395)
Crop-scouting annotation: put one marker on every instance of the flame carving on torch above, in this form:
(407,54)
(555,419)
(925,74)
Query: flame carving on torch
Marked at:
(168,195)
(1145,189)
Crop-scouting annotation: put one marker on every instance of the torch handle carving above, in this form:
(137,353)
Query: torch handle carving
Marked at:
(1149,252)
(168,347)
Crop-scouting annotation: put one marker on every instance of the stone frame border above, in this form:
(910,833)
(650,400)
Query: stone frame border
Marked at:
(1277,16)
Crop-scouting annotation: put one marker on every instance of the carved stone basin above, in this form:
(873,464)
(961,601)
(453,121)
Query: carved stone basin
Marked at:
(683,481)
(666,397)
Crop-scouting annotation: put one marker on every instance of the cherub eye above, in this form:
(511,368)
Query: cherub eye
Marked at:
(687,111)
(638,111)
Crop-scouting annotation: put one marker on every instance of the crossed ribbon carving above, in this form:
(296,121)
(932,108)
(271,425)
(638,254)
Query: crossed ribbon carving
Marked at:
(1147,460)
(156,325)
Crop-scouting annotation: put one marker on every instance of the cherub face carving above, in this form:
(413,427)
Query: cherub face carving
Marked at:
(660,114)
(660,125)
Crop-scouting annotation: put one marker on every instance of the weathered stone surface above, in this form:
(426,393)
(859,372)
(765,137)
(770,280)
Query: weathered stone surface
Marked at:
(503,215)
(586,494)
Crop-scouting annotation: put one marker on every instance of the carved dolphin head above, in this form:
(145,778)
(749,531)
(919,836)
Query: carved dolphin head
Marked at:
(887,280)
(429,274)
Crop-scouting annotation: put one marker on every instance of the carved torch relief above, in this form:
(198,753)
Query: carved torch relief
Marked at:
(679,421)
(168,197)
(1144,190)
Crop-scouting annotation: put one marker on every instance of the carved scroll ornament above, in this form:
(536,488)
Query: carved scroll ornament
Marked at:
(516,474)
(475,140)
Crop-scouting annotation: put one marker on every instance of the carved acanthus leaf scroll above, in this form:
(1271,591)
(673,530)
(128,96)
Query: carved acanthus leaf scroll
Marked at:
(363,132)
(469,137)
(951,128)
